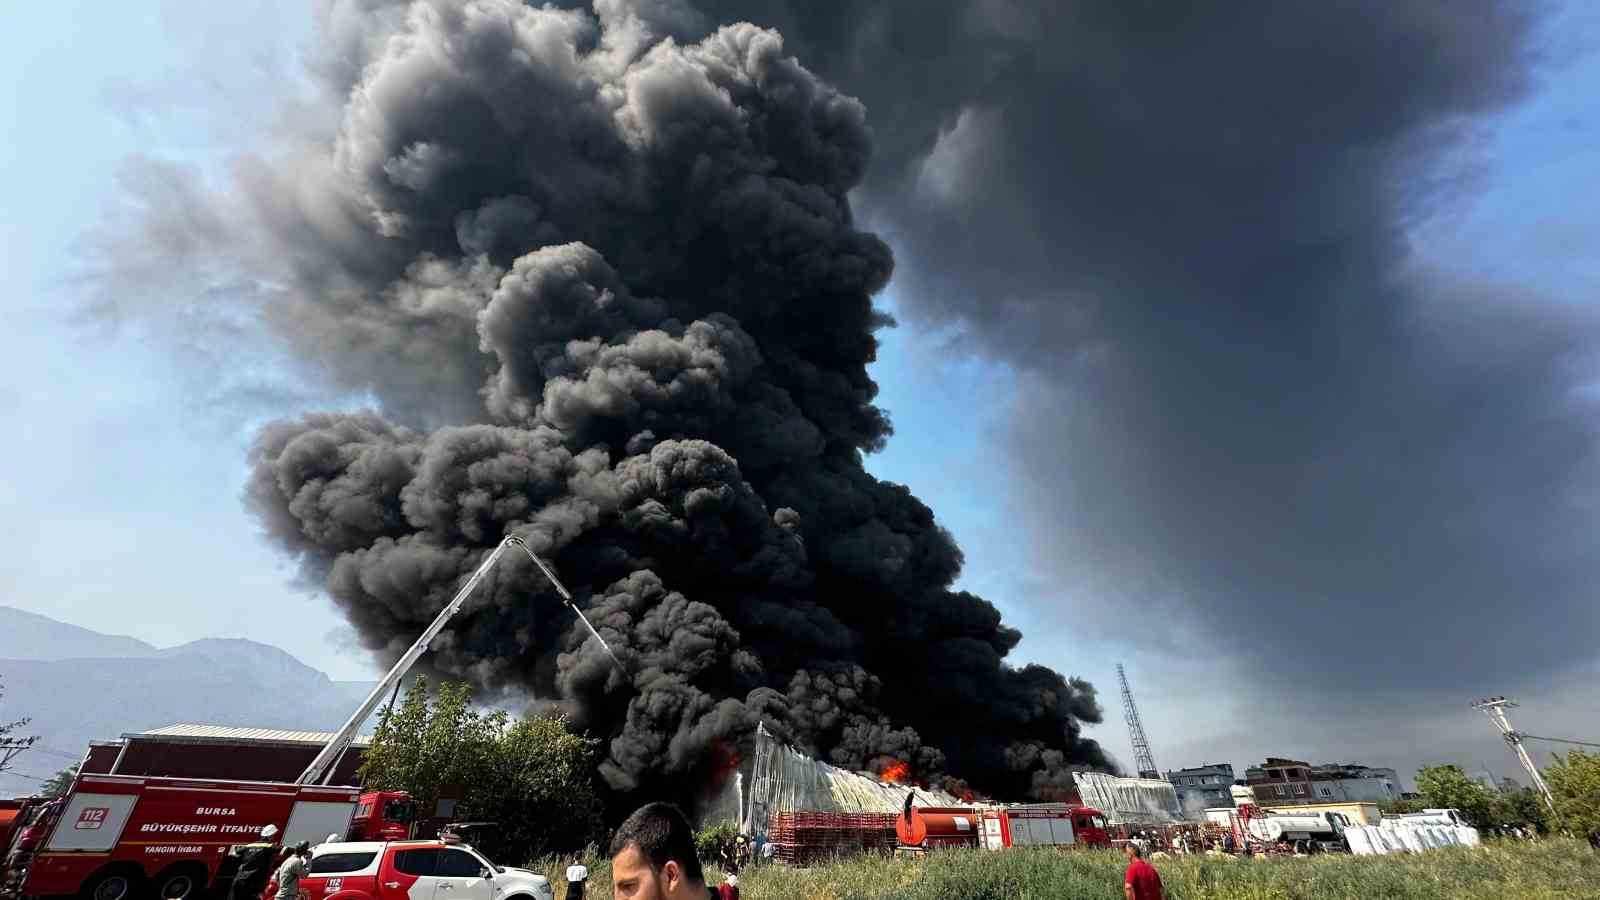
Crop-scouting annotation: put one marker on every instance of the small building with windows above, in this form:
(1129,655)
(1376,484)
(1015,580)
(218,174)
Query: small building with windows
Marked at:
(1352,783)
(1293,782)
(1280,781)
(1202,787)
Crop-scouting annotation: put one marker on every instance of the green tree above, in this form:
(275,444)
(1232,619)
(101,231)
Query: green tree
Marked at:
(429,748)
(1402,806)
(1447,787)
(59,783)
(1574,782)
(533,777)
(1521,807)
(541,788)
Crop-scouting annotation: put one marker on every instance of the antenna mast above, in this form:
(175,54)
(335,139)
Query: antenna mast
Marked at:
(1142,759)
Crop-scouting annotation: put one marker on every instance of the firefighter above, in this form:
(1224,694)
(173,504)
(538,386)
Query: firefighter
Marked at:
(250,879)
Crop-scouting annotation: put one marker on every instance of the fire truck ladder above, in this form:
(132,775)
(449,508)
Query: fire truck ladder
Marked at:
(322,768)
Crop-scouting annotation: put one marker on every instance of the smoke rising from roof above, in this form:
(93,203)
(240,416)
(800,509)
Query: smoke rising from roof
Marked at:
(607,292)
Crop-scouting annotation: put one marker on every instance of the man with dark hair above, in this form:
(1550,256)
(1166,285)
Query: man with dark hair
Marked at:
(292,870)
(1141,881)
(653,858)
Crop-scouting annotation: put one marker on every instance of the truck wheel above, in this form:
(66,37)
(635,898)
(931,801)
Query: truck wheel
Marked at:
(111,886)
(177,886)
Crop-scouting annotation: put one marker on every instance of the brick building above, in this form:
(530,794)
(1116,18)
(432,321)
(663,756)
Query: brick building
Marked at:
(1280,781)
(1288,782)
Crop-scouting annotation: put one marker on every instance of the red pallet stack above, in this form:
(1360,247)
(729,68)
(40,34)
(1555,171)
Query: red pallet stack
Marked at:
(804,836)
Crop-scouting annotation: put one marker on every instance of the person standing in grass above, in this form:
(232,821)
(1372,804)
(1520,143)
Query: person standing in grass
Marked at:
(1142,881)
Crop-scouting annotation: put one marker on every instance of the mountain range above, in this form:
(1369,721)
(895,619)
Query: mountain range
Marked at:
(78,685)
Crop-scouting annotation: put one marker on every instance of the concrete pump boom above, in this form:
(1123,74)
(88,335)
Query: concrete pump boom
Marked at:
(321,768)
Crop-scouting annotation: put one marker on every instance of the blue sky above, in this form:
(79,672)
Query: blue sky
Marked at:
(125,457)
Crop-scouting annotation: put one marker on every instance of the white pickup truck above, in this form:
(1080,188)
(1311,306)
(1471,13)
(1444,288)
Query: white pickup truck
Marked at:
(413,870)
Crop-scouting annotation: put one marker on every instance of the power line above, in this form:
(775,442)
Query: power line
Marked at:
(1535,737)
(1495,708)
(10,747)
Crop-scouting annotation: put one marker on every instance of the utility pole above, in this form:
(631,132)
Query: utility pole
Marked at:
(1495,708)
(1142,760)
(11,747)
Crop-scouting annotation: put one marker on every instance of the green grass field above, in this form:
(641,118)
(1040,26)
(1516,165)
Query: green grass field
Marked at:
(1555,868)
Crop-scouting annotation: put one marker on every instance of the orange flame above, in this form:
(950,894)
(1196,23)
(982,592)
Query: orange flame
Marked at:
(724,761)
(897,772)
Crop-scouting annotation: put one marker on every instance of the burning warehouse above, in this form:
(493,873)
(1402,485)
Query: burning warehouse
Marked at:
(808,809)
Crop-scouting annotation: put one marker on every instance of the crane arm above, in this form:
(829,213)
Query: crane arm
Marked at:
(321,768)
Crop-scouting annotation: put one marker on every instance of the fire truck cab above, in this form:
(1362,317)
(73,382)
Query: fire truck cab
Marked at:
(413,870)
(383,816)
(1043,825)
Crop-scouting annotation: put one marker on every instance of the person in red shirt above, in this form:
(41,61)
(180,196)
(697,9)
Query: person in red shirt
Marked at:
(1142,881)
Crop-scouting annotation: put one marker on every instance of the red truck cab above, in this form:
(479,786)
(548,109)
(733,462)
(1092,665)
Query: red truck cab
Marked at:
(1043,825)
(383,816)
(413,870)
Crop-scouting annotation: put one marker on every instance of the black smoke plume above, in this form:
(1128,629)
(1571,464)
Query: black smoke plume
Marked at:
(1251,413)
(607,292)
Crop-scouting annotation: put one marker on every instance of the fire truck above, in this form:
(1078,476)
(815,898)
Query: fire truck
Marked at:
(14,818)
(996,827)
(1043,824)
(115,837)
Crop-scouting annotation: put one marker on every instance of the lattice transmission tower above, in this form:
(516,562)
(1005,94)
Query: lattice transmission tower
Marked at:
(1142,759)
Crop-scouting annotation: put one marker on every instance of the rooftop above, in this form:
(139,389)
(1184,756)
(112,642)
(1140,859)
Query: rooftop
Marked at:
(190,733)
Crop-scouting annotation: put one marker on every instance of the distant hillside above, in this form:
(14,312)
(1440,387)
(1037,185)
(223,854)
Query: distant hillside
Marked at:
(80,697)
(26,635)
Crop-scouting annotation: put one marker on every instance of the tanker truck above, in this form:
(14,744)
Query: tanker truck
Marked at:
(1266,829)
(1306,830)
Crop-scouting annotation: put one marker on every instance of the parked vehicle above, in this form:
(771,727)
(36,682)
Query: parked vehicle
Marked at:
(414,870)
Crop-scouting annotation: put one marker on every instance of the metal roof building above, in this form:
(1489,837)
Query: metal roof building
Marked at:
(235,753)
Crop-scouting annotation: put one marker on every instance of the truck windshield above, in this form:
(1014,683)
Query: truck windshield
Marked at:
(397,811)
(1099,821)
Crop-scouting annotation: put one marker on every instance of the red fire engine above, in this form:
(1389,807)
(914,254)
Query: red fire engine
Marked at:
(996,827)
(1043,824)
(112,835)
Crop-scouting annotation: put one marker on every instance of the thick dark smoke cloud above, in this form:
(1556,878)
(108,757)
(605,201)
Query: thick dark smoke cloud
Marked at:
(607,292)
(1250,411)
